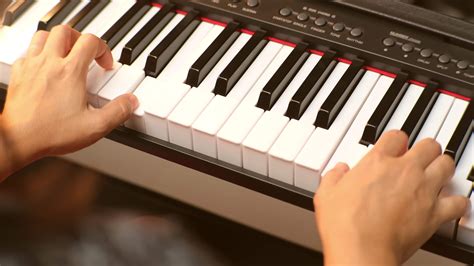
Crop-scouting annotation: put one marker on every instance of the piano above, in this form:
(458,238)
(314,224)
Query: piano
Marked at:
(245,104)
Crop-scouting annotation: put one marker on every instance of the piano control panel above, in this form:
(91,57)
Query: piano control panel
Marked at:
(387,44)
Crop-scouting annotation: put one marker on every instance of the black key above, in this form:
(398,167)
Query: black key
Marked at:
(57,14)
(287,71)
(461,135)
(420,112)
(146,35)
(471,175)
(212,55)
(164,52)
(237,67)
(340,94)
(384,110)
(16,10)
(116,33)
(87,14)
(311,86)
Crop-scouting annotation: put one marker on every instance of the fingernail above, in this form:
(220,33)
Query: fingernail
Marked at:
(134,101)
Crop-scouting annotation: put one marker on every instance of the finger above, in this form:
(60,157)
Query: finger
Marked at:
(37,43)
(451,208)
(60,41)
(89,48)
(114,113)
(424,152)
(393,143)
(335,175)
(439,172)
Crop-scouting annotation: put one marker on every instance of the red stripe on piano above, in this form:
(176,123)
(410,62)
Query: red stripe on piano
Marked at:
(156,4)
(281,42)
(215,22)
(182,12)
(317,52)
(415,82)
(343,60)
(455,95)
(246,31)
(385,73)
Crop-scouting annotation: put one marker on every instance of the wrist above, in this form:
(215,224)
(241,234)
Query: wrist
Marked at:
(350,251)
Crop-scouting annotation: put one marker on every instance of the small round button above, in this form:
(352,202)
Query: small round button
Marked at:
(408,47)
(426,53)
(463,65)
(389,42)
(444,59)
(356,32)
(338,27)
(285,12)
(303,16)
(253,3)
(321,22)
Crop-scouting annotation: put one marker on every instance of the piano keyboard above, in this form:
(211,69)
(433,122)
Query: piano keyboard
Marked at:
(281,110)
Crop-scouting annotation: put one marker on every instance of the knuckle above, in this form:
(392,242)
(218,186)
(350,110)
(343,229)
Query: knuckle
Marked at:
(431,142)
(61,28)
(89,38)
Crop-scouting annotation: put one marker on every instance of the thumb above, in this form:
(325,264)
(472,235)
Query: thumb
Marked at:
(451,208)
(116,112)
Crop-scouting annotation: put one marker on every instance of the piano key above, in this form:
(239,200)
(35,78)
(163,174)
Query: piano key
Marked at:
(177,69)
(145,36)
(311,86)
(107,17)
(239,124)
(465,232)
(461,135)
(234,71)
(75,11)
(459,184)
(126,80)
(301,140)
(188,110)
(404,108)
(420,112)
(164,52)
(350,150)
(471,175)
(96,80)
(212,55)
(126,22)
(436,118)
(451,122)
(384,110)
(170,83)
(262,136)
(274,88)
(338,97)
(57,14)
(219,110)
(87,14)
(15,10)
(132,32)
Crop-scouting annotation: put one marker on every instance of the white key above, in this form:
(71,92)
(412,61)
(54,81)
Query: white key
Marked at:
(107,18)
(239,124)
(261,138)
(126,80)
(178,68)
(187,111)
(153,118)
(350,151)
(76,10)
(459,184)
(436,118)
(293,139)
(96,80)
(404,108)
(117,51)
(451,122)
(219,110)
(465,233)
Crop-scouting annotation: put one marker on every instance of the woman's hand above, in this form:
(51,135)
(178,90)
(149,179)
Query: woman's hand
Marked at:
(387,206)
(46,111)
